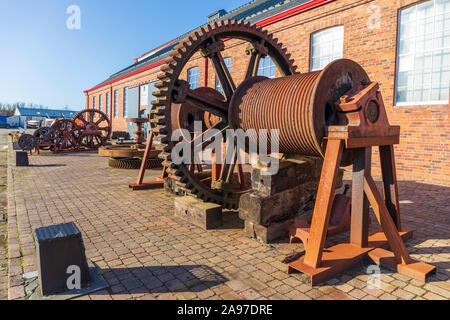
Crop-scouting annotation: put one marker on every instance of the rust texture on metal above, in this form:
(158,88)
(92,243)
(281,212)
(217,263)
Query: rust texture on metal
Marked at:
(27,142)
(125,151)
(177,105)
(300,106)
(337,113)
(88,130)
(67,134)
(140,139)
(94,128)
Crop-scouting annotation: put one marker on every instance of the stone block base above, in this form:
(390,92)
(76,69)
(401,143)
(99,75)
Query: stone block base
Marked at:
(273,231)
(202,214)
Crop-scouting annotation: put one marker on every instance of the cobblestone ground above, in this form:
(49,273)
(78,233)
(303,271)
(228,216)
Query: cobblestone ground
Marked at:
(147,253)
(3,229)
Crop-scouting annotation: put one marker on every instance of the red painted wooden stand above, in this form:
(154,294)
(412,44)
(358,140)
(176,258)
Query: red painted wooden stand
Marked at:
(159,182)
(367,127)
(321,264)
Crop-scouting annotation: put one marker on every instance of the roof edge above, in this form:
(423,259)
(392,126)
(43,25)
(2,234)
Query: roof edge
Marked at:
(265,22)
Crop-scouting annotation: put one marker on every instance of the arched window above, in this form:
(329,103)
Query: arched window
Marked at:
(107,104)
(116,102)
(125,102)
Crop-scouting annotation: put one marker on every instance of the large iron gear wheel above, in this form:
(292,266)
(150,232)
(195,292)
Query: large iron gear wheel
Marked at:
(209,40)
(93,127)
(133,163)
(67,134)
(44,135)
(27,142)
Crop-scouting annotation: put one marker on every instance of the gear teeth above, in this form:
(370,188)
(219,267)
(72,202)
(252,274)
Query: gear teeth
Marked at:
(161,112)
(171,61)
(167,68)
(157,111)
(164,76)
(160,130)
(161,84)
(160,93)
(157,103)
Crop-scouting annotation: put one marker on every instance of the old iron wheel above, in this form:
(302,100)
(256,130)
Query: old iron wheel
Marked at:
(94,128)
(67,134)
(27,142)
(173,91)
(44,135)
(133,163)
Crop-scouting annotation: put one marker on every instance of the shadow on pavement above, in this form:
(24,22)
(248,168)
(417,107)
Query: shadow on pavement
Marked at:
(164,279)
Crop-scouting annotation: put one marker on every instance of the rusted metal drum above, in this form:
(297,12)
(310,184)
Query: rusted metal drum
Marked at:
(183,116)
(300,106)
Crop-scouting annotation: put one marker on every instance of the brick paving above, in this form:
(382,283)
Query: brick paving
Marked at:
(3,224)
(147,253)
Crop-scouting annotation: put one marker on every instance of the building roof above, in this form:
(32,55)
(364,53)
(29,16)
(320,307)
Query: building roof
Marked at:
(253,12)
(50,113)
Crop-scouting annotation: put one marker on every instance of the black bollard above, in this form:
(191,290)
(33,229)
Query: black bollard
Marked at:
(60,251)
(22,159)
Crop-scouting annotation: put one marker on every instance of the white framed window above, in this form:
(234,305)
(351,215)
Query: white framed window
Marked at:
(100,102)
(107,104)
(266,67)
(326,46)
(144,95)
(125,102)
(227,62)
(423,54)
(93,102)
(193,77)
(116,103)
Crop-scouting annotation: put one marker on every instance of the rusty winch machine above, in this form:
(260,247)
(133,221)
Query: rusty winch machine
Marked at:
(88,130)
(337,113)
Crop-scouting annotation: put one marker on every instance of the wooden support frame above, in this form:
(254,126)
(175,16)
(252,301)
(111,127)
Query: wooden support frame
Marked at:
(321,264)
(140,185)
(324,203)
(359,232)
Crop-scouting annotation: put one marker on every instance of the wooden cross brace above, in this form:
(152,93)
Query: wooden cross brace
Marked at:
(321,264)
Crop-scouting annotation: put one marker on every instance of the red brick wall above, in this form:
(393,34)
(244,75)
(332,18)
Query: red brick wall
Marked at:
(423,153)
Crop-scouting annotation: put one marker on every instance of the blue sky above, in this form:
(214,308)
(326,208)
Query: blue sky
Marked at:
(43,62)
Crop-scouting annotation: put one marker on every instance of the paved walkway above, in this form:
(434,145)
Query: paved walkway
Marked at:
(147,253)
(3,228)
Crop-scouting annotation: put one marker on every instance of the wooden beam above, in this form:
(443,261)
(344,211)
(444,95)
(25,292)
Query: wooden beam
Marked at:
(324,203)
(359,231)
(386,222)
(390,186)
(148,149)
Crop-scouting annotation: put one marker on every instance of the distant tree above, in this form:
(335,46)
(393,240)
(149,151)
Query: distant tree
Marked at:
(8,109)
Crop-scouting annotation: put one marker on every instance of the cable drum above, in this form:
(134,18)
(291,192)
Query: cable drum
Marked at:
(300,106)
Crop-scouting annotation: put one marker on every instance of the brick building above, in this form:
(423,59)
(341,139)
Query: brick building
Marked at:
(402,44)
